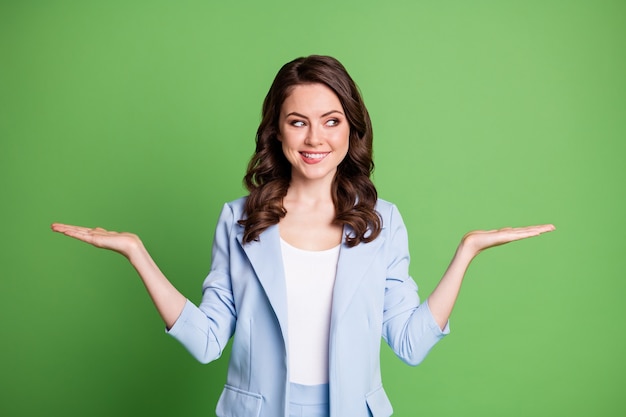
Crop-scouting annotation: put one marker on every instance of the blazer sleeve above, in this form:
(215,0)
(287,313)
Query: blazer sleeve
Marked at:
(204,330)
(408,326)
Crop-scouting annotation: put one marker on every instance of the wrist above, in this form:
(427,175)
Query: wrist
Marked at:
(134,249)
(466,251)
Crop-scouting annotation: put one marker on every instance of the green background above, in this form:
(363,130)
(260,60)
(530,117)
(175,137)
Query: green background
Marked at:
(141,116)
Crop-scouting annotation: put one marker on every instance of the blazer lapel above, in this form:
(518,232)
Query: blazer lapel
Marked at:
(266,259)
(351,268)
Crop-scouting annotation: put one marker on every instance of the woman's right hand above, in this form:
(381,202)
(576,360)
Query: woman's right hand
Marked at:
(124,243)
(168,301)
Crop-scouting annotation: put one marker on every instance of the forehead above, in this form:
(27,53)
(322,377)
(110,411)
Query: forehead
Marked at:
(312,98)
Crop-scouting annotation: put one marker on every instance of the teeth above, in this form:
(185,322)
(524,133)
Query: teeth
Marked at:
(314,155)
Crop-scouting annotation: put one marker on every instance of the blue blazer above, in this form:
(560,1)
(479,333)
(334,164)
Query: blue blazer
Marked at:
(244,295)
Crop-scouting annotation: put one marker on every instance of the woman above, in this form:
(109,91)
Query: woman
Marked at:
(311,268)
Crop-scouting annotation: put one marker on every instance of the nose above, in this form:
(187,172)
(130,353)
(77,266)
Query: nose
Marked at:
(313,136)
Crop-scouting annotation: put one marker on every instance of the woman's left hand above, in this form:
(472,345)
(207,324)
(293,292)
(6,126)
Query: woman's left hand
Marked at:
(479,240)
(442,300)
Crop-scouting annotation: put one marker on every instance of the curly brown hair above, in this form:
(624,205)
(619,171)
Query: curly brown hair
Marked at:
(269,172)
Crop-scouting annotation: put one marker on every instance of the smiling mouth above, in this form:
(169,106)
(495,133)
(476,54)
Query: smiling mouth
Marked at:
(309,155)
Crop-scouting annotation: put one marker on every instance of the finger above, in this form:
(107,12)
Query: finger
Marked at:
(72,230)
(78,233)
(543,228)
(526,232)
(84,234)
(61,228)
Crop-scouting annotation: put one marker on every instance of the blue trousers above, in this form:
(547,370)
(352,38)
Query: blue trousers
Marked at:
(308,400)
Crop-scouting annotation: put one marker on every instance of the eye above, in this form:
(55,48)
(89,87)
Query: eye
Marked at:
(332,122)
(296,123)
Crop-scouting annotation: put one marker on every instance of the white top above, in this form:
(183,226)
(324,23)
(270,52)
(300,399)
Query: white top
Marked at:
(310,278)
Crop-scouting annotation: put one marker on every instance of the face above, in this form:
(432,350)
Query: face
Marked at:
(314,132)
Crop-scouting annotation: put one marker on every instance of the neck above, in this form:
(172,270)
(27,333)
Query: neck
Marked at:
(310,191)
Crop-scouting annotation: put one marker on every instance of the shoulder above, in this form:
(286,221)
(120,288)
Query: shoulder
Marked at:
(238,202)
(386,209)
(384,206)
(237,206)
(232,211)
(390,216)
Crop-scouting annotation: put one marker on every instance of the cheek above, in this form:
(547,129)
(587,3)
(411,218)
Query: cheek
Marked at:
(288,144)
(344,138)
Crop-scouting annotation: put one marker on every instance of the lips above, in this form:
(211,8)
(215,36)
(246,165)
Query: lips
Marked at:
(313,157)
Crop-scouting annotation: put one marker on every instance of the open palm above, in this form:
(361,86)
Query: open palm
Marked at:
(123,242)
(479,240)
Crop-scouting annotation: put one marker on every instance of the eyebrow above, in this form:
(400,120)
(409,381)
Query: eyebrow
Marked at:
(293,113)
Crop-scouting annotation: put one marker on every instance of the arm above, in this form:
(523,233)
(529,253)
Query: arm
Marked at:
(204,330)
(408,325)
(168,301)
(411,328)
(443,298)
